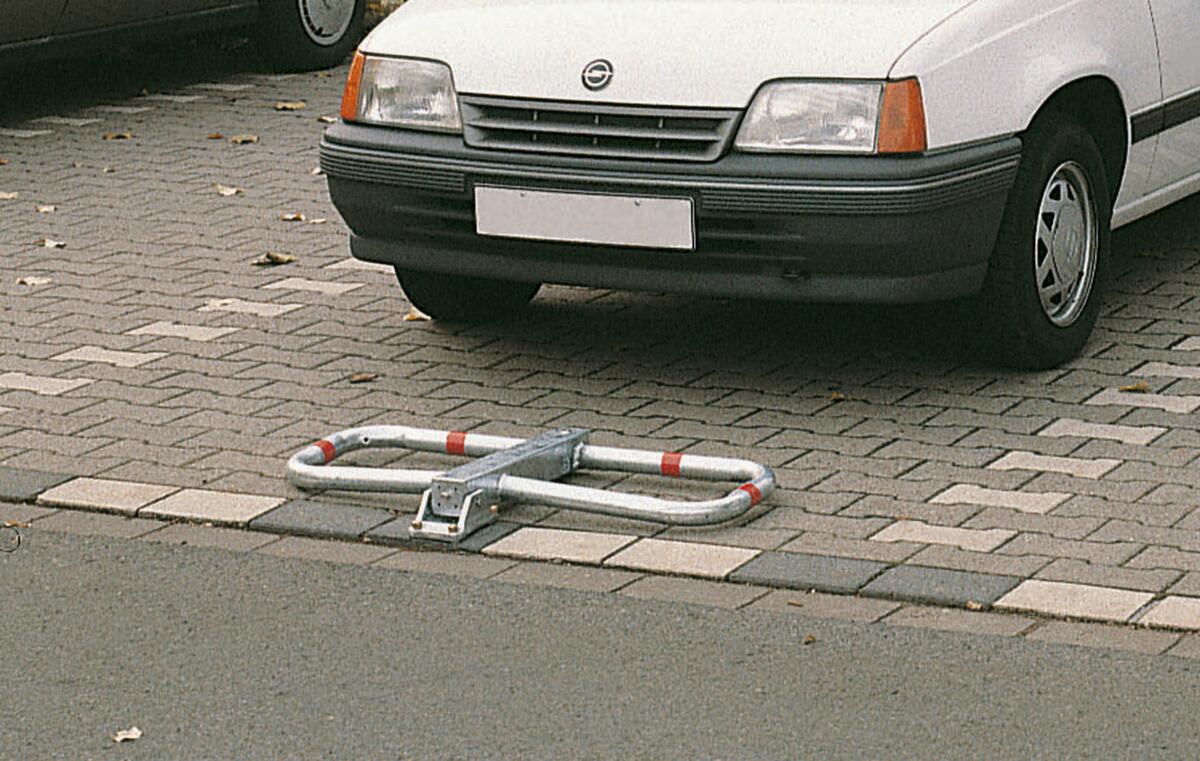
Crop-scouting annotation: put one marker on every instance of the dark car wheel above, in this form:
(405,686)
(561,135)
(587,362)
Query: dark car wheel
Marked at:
(1049,269)
(457,298)
(300,35)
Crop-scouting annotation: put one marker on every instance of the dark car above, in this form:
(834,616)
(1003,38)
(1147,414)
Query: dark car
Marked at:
(294,34)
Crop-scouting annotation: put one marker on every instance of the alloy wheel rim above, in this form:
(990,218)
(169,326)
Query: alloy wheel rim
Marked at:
(1065,245)
(326,21)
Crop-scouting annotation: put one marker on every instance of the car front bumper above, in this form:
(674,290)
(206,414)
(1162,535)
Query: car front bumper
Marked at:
(827,228)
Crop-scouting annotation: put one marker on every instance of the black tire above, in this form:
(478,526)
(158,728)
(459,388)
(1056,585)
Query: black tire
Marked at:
(458,298)
(1020,331)
(292,39)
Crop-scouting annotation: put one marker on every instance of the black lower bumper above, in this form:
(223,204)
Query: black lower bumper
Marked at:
(870,229)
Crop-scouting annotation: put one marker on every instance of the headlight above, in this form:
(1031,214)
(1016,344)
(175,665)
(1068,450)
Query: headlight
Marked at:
(401,92)
(835,117)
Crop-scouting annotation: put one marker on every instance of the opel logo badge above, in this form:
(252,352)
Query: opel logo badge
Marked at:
(598,74)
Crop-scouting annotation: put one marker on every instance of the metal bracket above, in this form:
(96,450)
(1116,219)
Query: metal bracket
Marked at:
(459,501)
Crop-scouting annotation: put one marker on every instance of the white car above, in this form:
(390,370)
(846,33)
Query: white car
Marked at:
(821,150)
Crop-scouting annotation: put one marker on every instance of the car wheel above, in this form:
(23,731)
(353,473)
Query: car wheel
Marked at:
(457,298)
(1049,269)
(300,35)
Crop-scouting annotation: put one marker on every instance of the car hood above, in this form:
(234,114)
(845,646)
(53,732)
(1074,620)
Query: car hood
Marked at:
(712,53)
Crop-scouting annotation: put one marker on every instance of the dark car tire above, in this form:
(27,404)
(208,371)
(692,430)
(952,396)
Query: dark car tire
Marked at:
(302,35)
(1032,318)
(458,298)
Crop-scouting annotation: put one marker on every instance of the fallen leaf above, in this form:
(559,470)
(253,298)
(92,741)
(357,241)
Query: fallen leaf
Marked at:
(976,606)
(272,259)
(416,315)
(3,162)
(316,172)
(126,735)
(1141,387)
(33,280)
(323,75)
(16,524)
(243,139)
(293,217)
(46,208)
(9,196)
(837,396)
(126,135)
(327,119)
(290,105)
(227,190)
(318,221)
(50,243)
(215,136)
(363,377)
(109,170)
(809,639)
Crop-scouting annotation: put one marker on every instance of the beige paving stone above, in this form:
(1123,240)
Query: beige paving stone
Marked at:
(41,385)
(1095,574)
(955,620)
(357,264)
(1055,598)
(207,506)
(1174,613)
(1127,434)
(256,308)
(977,540)
(109,357)
(695,591)
(534,543)
(1192,343)
(1101,636)
(97,524)
(683,558)
(1182,405)
(1167,370)
(576,577)
(1039,503)
(447,564)
(314,286)
(5,409)
(819,605)
(187,332)
(1189,646)
(103,494)
(1072,466)
(332,552)
(193,535)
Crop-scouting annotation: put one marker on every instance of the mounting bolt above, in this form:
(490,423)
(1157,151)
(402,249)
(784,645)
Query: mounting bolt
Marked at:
(452,528)
(416,525)
(444,494)
(495,509)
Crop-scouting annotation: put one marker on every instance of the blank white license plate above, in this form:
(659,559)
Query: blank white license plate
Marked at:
(585,218)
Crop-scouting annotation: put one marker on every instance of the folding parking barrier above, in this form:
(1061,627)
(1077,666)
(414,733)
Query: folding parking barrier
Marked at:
(461,500)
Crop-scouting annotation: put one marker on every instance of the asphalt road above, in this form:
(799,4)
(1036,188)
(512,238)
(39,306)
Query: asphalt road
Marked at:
(236,655)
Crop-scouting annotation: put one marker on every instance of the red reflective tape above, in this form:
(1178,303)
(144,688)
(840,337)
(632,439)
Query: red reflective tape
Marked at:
(752,490)
(327,449)
(456,442)
(670,464)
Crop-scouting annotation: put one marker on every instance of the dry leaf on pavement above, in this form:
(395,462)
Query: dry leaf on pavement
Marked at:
(318,221)
(215,136)
(243,139)
(290,105)
(46,208)
(227,190)
(292,217)
(126,735)
(126,135)
(1141,387)
(809,639)
(327,119)
(837,396)
(50,243)
(3,162)
(33,280)
(316,172)
(9,196)
(416,315)
(272,259)
(975,606)
(109,170)
(363,377)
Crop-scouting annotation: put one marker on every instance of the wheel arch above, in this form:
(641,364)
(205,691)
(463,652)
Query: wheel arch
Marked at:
(1096,103)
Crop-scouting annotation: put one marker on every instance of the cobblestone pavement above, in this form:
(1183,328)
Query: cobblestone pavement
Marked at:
(149,358)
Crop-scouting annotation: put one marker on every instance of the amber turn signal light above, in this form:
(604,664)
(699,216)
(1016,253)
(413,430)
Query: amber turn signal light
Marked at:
(350,94)
(902,118)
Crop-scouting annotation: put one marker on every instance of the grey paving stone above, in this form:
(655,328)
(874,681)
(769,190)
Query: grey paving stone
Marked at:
(797,571)
(321,519)
(17,485)
(939,586)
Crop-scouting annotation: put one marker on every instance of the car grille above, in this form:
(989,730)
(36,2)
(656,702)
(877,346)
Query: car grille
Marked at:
(585,129)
